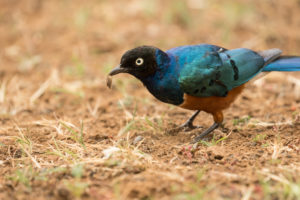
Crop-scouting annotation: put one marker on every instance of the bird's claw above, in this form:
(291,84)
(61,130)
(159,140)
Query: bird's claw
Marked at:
(188,128)
(184,127)
(197,139)
(205,133)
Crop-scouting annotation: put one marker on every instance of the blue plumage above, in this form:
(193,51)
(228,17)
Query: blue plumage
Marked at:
(215,73)
(284,63)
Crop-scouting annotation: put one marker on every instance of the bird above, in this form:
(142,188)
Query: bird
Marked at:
(201,77)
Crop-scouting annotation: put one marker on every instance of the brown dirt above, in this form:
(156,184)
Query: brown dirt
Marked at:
(64,135)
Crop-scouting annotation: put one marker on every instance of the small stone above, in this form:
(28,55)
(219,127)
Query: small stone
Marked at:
(137,139)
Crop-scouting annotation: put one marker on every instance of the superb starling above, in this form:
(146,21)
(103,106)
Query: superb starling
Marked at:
(201,77)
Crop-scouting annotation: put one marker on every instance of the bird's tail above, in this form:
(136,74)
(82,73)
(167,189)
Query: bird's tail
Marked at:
(284,63)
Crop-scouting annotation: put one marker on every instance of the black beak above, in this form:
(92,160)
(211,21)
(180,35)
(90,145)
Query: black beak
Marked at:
(117,70)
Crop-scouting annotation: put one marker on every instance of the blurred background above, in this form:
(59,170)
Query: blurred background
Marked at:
(39,35)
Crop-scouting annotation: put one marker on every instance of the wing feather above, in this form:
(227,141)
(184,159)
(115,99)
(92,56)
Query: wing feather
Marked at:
(217,72)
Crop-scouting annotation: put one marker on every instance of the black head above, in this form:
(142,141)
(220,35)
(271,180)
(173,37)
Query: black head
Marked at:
(140,62)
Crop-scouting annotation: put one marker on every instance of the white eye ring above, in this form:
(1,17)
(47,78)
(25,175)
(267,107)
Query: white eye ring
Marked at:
(139,61)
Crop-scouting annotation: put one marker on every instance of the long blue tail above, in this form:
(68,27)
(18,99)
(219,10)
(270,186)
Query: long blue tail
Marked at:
(284,63)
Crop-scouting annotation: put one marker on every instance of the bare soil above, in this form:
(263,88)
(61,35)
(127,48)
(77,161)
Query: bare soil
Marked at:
(65,135)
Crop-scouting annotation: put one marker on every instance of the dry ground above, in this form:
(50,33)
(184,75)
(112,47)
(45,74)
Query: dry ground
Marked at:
(64,135)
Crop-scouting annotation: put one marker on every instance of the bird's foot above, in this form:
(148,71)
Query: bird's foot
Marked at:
(186,127)
(205,133)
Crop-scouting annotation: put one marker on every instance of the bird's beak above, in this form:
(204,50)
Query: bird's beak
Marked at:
(117,70)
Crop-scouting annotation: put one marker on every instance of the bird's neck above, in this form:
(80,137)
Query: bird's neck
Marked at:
(164,83)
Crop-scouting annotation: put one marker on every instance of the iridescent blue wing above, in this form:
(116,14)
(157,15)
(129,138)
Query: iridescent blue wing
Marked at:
(216,72)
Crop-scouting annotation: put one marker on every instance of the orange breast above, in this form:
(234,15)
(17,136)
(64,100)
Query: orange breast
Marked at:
(211,104)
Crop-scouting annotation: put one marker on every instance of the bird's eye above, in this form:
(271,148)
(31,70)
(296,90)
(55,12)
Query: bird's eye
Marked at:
(139,61)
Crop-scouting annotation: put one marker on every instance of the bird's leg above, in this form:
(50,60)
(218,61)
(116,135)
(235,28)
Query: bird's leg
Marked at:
(218,118)
(206,132)
(188,125)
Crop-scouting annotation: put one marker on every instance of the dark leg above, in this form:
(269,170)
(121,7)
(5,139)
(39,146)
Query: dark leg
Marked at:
(218,118)
(205,133)
(188,125)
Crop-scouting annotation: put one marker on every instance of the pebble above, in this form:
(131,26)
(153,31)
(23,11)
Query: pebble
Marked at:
(137,139)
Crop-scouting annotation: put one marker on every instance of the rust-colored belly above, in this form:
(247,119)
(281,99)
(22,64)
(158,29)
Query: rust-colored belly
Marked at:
(211,104)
